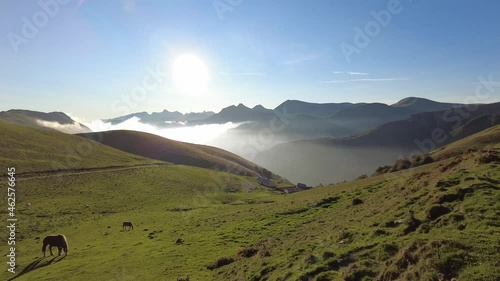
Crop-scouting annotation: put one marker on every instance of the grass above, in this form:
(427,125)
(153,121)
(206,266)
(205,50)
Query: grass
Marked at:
(483,140)
(350,231)
(36,150)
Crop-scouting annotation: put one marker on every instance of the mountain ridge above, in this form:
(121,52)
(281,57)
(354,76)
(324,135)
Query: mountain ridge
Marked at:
(182,153)
(55,120)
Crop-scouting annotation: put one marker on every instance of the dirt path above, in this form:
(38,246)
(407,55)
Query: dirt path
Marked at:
(73,172)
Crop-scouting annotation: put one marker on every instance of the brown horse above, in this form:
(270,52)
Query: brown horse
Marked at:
(58,241)
(128,224)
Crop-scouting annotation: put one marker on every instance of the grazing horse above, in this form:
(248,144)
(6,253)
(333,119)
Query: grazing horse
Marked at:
(128,224)
(183,279)
(58,241)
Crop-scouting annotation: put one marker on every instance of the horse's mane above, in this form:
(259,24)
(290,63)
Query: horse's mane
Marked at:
(64,241)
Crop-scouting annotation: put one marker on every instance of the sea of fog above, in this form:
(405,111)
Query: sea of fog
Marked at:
(201,134)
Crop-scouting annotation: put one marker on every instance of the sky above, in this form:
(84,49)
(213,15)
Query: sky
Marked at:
(101,59)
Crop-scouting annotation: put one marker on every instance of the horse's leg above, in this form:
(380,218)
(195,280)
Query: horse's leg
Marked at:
(50,248)
(59,248)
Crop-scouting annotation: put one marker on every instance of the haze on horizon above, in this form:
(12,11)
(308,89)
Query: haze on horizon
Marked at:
(96,59)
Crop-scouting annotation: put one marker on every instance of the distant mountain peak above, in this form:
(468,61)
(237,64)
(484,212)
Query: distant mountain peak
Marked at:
(260,108)
(411,100)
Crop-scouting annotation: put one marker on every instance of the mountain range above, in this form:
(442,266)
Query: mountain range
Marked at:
(436,221)
(303,142)
(329,159)
(163,118)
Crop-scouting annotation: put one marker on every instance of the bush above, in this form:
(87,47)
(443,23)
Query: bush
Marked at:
(382,170)
(357,201)
(328,255)
(247,252)
(220,263)
(362,177)
(419,160)
(401,164)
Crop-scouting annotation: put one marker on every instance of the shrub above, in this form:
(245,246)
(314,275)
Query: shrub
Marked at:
(247,252)
(437,211)
(328,255)
(362,177)
(419,160)
(357,201)
(220,263)
(401,164)
(382,170)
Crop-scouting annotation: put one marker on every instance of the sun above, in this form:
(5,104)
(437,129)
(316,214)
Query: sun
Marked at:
(190,75)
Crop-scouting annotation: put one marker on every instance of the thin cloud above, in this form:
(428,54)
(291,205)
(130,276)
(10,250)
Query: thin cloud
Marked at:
(357,73)
(365,80)
(241,73)
(351,73)
(303,59)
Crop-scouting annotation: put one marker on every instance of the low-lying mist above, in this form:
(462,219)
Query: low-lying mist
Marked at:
(200,134)
(313,164)
(304,162)
(74,128)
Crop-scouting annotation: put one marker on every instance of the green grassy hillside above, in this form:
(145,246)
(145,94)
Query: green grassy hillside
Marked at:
(156,147)
(482,140)
(28,118)
(218,226)
(35,150)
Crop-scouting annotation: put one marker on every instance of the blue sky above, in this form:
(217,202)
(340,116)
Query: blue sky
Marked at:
(87,57)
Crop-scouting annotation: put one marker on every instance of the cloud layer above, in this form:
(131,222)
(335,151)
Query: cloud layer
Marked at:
(201,134)
(365,80)
(74,128)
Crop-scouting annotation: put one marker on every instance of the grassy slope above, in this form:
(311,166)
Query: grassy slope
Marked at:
(152,197)
(483,140)
(28,118)
(176,152)
(334,241)
(34,150)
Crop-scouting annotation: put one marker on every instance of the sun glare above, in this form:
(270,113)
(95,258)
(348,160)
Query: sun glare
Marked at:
(190,75)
